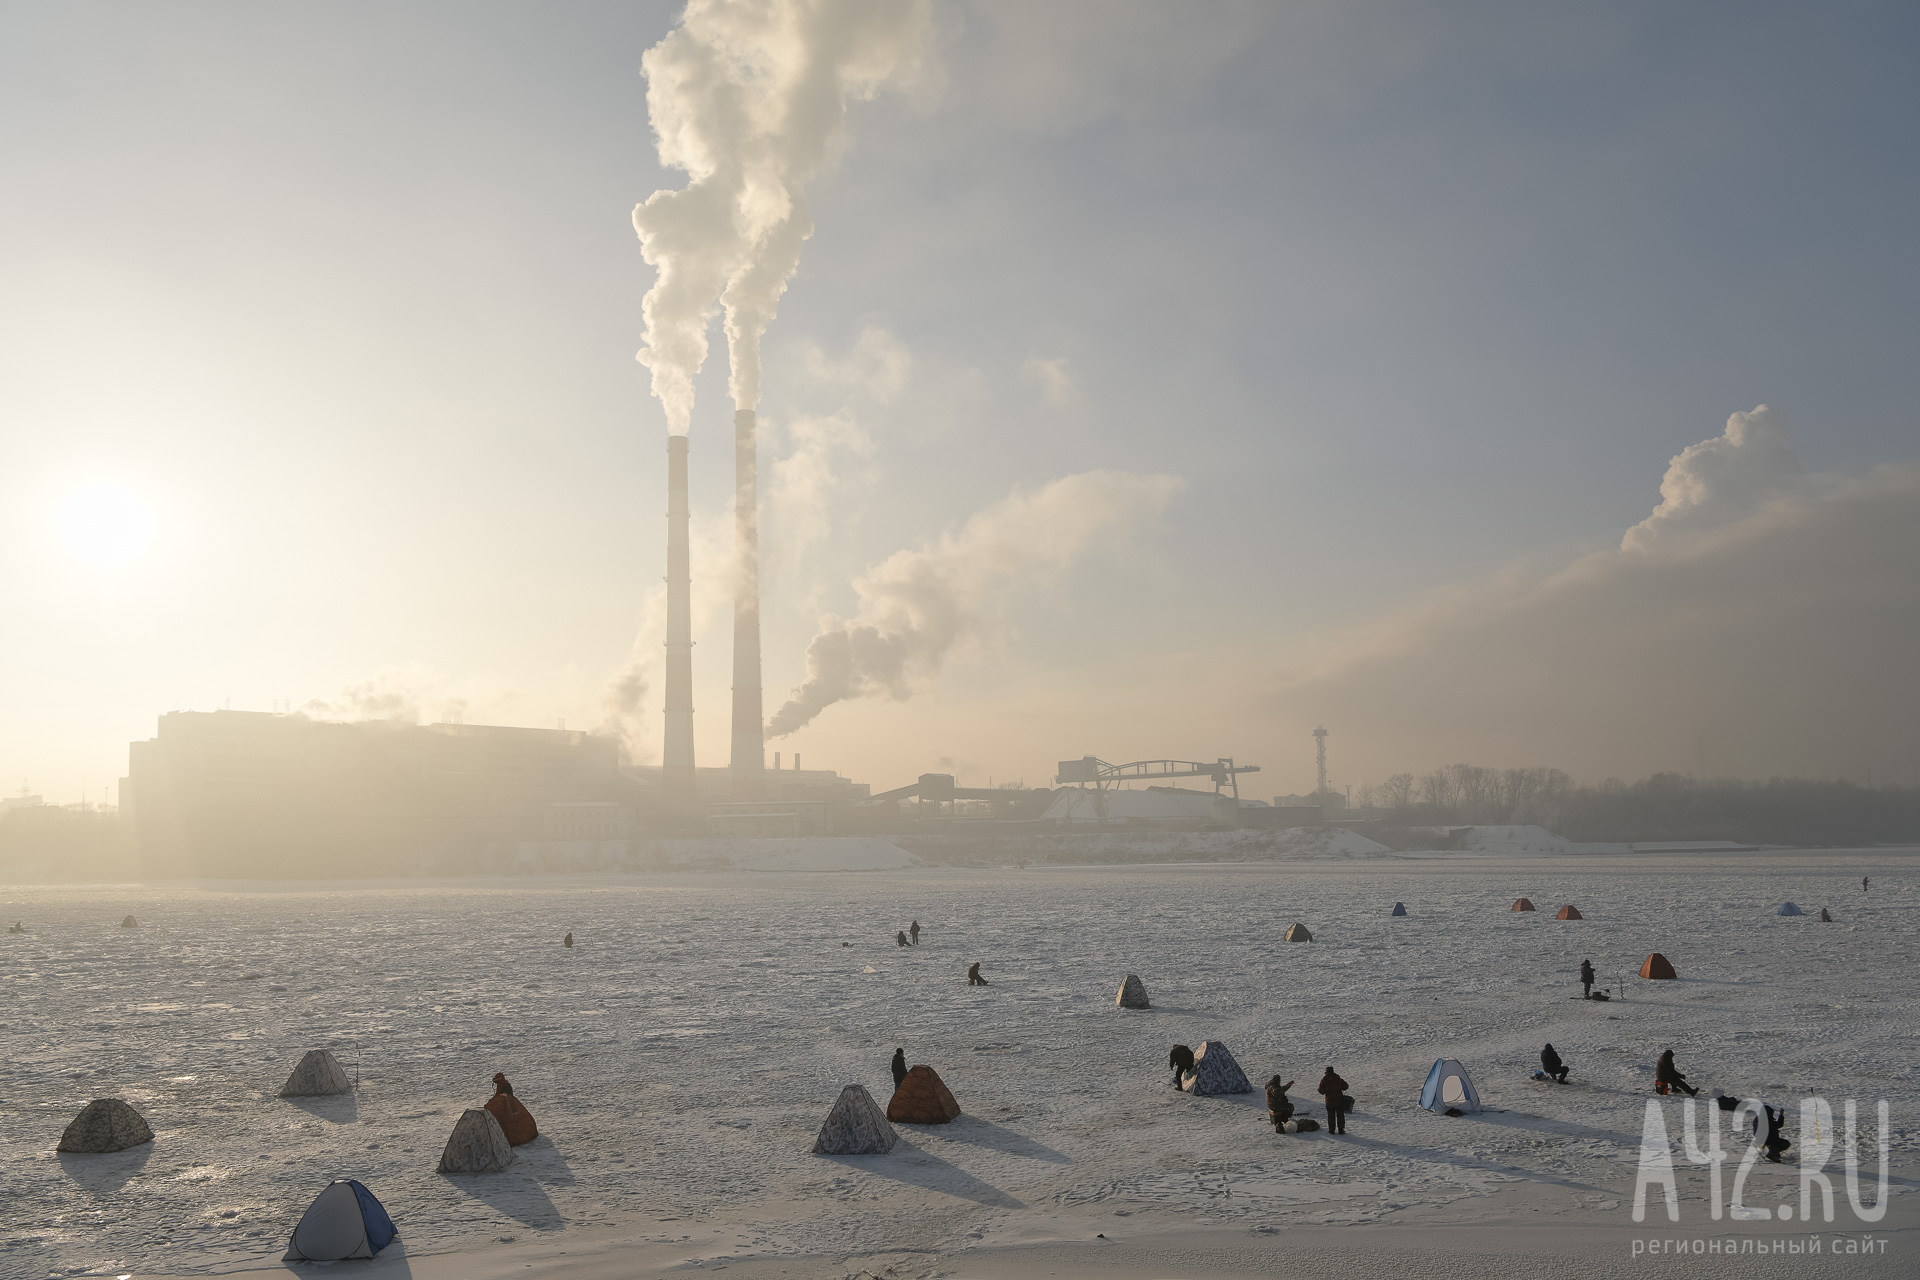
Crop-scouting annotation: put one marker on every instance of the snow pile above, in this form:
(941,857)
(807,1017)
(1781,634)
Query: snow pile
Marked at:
(1510,840)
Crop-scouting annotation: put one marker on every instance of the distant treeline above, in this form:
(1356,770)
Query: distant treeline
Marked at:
(1666,806)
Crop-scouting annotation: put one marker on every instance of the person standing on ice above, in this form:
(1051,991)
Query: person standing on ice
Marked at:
(973,975)
(1667,1077)
(915,931)
(1863,884)
(1180,1058)
(899,1066)
(1586,979)
(1550,1063)
(1279,1106)
(1334,1090)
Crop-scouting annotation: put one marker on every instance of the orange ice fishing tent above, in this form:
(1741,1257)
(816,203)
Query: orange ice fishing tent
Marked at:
(922,1098)
(1569,912)
(1657,967)
(1523,904)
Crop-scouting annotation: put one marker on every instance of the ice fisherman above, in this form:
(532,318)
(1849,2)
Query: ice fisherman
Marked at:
(1586,979)
(1180,1059)
(899,1065)
(1279,1106)
(1550,1062)
(1334,1090)
(1774,1143)
(1667,1077)
(1863,884)
(900,938)
(500,1084)
(973,975)
(915,931)
(568,940)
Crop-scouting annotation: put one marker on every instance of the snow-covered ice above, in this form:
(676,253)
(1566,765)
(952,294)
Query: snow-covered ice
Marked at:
(682,1056)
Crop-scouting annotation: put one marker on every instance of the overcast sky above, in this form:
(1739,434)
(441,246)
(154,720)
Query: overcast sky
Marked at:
(1394,317)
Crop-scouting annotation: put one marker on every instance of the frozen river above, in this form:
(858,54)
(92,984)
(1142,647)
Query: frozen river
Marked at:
(680,1058)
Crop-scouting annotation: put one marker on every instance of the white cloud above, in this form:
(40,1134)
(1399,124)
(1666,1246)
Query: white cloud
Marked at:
(1057,385)
(1715,481)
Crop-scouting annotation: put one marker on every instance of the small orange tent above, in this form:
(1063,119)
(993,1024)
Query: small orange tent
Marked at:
(1569,913)
(1523,904)
(1657,967)
(922,1098)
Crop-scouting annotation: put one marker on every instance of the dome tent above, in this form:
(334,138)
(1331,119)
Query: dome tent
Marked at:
(344,1221)
(1215,1071)
(1133,993)
(477,1145)
(1522,904)
(922,1098)
(105,1125)
(1297,932)
(855,1127)
(1448,1085)
(1569,912)
(1399,909)
(1789,909)
(1658,967)
(318,1075)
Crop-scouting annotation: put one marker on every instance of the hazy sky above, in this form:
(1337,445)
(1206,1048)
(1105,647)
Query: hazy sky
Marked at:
(317,328)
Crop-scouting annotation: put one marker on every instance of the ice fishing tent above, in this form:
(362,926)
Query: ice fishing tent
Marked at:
(1298,932)
(1657,966)
(1448,1085)
(344,1221)
(129,923)
(922,1098)
(515,1120)
(1215,1071)
(1133,993)
(1569,912)
(855,1127)
(104,1125)
(1789,909)
(1399,909)
(477,1145)
(318,1075)
(1523,904)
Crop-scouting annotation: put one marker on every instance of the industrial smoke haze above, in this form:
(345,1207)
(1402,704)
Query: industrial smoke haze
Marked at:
(918,605)
(749,98)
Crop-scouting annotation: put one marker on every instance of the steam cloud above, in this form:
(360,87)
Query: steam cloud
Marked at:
(749,98)
(1720,480)
(917,606)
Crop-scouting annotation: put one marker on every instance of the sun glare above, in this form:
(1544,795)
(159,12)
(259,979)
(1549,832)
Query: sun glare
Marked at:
(105,524)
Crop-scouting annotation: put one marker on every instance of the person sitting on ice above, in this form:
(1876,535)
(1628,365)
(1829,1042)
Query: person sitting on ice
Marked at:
(1667,1077)
(1279,1106)
(500,1084)
(1334,1090)
(1774,1143)
(1586,979)
(900,938)
(1181,1060)
(973,975)
(899,1066)
(1550,1063)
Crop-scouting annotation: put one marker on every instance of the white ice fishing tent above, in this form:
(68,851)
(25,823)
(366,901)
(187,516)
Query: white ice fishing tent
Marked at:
(1448,1085)
(344,1221)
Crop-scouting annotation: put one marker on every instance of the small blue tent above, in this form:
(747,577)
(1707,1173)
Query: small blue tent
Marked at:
(1449,1086)
(1788,909)
(344,1221)
(1399,909)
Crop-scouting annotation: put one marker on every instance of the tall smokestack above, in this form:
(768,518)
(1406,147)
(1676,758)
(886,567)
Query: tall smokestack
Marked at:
(749,734)
(676,757)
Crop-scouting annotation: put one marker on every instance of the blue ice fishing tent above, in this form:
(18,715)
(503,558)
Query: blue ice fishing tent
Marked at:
(1788,909)
(1449,1086)
(1399,909)
(344,1221)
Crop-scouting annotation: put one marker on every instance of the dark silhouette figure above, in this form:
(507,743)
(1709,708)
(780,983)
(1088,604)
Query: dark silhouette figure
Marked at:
(568,940)
(1774,1143)
(899,1066)
(1667,1077)
(1181,1060)
(1863,889)
(900,938)
(973,975)
(17,927)
(1279,1106)
(1586,979)
(500,1084)
(1551,1064)
(1334,1090)
(915,931)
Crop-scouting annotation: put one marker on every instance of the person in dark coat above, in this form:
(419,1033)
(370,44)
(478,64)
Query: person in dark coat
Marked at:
(899,1066)
(1334,1090)
(1279,1106)
(1551,1064)
(900,938)
(1181,1060)
(1774,1143)
(1667,1077)
(1586,979)
(915,931)
(500,1084)
(973,975)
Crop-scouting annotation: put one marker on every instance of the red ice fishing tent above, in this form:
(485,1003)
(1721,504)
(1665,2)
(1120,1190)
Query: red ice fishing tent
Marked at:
(1523,904)
(1569,912)
(1657,966)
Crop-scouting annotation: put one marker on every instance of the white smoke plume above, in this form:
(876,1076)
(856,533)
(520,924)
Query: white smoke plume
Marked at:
(410,693)
(749,98)
(1720,480)
(918,606)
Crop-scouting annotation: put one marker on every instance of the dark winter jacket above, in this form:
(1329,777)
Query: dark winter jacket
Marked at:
(1550,1061)
(1664,1072)
(1180,1059)
(1279,1106)
(899,1066)
(1332,1088)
